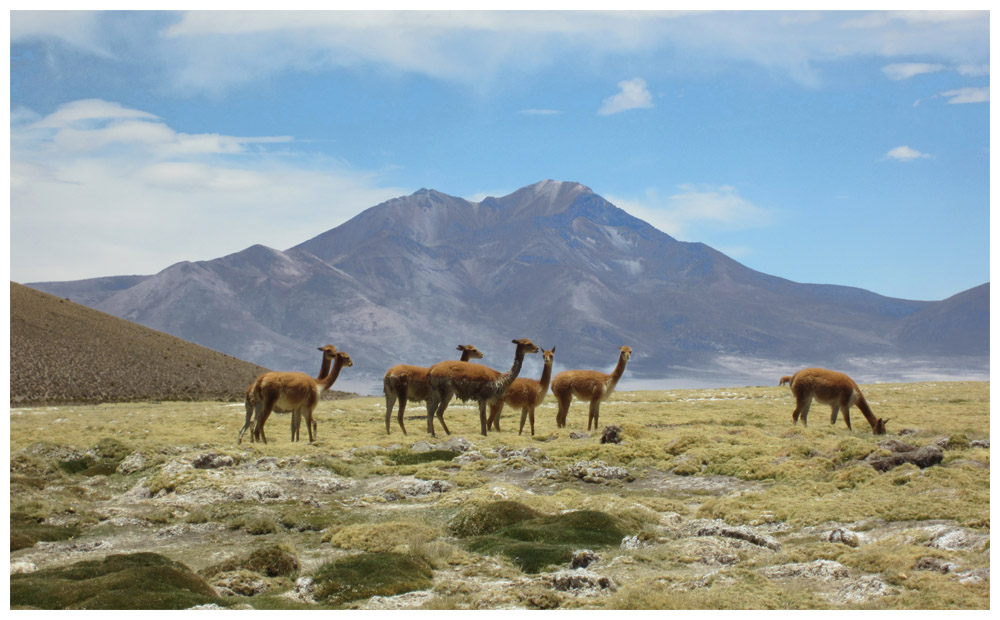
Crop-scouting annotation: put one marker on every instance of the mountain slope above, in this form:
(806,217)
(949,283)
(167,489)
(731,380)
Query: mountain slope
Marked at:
(407,280)
(62,352)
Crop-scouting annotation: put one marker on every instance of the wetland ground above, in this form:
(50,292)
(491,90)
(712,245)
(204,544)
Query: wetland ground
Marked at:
(712,499)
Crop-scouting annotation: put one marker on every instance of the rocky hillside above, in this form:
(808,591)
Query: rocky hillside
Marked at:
(62,352)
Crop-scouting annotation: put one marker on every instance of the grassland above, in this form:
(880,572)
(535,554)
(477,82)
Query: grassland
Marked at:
(723,503)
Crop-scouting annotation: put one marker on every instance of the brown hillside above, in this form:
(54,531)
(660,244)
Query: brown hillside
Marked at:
(62,352)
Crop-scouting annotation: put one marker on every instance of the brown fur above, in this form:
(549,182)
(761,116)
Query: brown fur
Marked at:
(294,391)
(829,387)
(525,394)
(404,382)
(587,385)
(471,381)
(329,351)
(784,380)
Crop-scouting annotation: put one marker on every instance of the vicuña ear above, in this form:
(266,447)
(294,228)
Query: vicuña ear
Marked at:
(553,349)
(515,342)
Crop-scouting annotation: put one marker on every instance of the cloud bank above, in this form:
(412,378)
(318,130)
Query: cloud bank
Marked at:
(150,196)
(209,52)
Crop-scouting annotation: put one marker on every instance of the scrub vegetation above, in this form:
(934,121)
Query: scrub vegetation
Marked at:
(712,499)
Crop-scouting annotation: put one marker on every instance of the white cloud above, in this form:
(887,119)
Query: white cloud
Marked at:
(94,125)
(905,153)
(694,207)
(148,196)
(90,110)
(966,95)
(211,51)
(633,95)
(973,70)
(903,71)
(79,29)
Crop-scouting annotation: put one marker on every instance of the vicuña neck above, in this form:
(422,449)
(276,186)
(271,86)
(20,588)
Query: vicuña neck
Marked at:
(546,376)
(619,370)
(323,369)
(330,378)
(515,369)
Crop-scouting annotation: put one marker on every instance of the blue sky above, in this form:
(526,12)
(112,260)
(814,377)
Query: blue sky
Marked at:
(830,147)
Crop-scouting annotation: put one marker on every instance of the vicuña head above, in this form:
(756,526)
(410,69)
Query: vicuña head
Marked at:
(404,382)
(471,381)
(589,385)
(833,388)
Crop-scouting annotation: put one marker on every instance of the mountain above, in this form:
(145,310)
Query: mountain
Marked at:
(62,352)
(407,280)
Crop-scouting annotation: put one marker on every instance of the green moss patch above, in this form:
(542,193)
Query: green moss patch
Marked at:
(370,574)
(303,519)
(381,537)
(26,530)
(536,543)
(133,581)
(478,519)
(107,455)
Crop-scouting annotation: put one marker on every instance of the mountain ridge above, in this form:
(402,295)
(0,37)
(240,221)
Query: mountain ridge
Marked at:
(552,261)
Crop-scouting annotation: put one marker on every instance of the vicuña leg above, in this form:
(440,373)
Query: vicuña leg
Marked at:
(494,420)
(595,412)
(845,406)
(262,410)
(563,399)
(246,425)
(440,413)
(524,414)
(437,407)
(482,418)
(802,403)
(399,418)
(390,404)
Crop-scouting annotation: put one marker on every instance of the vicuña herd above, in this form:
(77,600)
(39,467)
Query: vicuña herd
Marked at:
(299,393)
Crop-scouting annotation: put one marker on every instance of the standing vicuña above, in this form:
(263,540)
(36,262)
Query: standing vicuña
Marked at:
(471,381)
(405,382)
(342,359)
(833,388)
(329,351)
(294,391)
(525,394)
(589,385)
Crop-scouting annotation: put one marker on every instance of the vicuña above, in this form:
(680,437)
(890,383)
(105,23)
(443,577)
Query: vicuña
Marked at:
(833,388)
(589,385)
(471,381)
(404,382)
(524,394)
(329,351)
(296,392)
